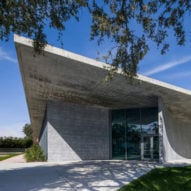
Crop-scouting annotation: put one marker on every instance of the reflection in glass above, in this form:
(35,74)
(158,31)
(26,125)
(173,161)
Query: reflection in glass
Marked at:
(118,134)
(135,134)
(149,121)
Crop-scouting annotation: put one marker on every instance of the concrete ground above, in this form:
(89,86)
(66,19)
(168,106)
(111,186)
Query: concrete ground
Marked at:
(76,176)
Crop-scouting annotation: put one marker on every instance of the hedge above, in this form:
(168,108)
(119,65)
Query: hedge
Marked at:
(13,142)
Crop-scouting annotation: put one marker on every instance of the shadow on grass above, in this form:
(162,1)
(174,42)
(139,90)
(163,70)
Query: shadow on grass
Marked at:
(162,179)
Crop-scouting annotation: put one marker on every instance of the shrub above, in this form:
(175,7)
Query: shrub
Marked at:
(34,153)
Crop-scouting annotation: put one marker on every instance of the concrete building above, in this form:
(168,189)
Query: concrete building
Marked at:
(76,115)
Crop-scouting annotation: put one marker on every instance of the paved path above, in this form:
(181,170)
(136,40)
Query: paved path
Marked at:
(16,159)
(77,176)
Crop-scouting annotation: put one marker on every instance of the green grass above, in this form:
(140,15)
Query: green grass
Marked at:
(162,179)
(4,157)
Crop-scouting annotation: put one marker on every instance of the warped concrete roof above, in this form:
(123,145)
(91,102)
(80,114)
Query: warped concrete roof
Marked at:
(64,76)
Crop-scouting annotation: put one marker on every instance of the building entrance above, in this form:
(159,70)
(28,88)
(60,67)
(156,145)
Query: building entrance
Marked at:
(135,134)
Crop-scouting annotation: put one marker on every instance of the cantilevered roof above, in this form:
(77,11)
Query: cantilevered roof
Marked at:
(59,75)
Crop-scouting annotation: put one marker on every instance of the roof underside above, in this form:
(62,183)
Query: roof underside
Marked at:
(59,75)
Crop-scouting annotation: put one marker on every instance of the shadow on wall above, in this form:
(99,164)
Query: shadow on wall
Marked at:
(179,136)
(78,132)
(90,176)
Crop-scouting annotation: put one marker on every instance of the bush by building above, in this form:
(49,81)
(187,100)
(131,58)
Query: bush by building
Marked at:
(34,153)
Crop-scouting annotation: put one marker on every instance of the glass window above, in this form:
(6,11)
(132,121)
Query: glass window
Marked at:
(135,134)
(118,134)
(149,120)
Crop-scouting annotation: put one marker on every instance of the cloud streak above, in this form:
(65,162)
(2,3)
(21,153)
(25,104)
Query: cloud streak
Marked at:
(5,56)
(168,65)
(179,75)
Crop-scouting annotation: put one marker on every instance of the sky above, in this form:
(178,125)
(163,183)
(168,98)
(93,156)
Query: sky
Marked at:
(173,67)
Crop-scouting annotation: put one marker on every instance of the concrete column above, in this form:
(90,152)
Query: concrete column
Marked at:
(151,147)
(174,134)
(160,124)
(44,140)
(142,150)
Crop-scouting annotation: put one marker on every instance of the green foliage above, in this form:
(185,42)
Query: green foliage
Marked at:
(31,17)
(34,153)
(27,130)
(13,142)
(129,26)
(162,179)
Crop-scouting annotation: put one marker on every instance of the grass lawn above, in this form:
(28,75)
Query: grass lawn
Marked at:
(162,179)
(4,157)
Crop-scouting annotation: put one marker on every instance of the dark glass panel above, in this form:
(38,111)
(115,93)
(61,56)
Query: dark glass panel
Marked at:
(147,147)
(118,134)
(133,134)
(149,120)
(156,147)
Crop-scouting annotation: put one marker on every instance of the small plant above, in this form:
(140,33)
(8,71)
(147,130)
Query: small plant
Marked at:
(34,154)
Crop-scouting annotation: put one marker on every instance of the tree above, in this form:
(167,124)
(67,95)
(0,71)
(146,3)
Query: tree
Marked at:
(27,130)
(15,142)
(129,25)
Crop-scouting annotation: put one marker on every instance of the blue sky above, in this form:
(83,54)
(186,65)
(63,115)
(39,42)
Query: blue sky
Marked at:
(173,68)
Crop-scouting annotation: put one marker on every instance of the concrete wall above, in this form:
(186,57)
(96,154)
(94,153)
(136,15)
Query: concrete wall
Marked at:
(176,136)
(77,132)
(44,140)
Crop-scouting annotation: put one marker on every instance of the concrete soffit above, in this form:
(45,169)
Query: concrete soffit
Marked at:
(60,75)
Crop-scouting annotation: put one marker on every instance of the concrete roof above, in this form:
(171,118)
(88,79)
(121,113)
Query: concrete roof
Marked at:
(65,76)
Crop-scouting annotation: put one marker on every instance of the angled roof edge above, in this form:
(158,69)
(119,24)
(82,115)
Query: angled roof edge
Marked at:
(64,53)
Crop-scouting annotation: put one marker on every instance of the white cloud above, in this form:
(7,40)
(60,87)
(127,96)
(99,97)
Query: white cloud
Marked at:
(179,75)
(12,130)
(168,65)
(5,56)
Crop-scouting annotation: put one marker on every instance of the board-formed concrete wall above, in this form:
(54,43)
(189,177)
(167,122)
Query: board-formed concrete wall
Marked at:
(77,132)
(176,136)
(43,140)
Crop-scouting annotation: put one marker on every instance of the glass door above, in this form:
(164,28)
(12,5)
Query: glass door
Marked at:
(126,134)
(149,135)
(135,134)
(149,147)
